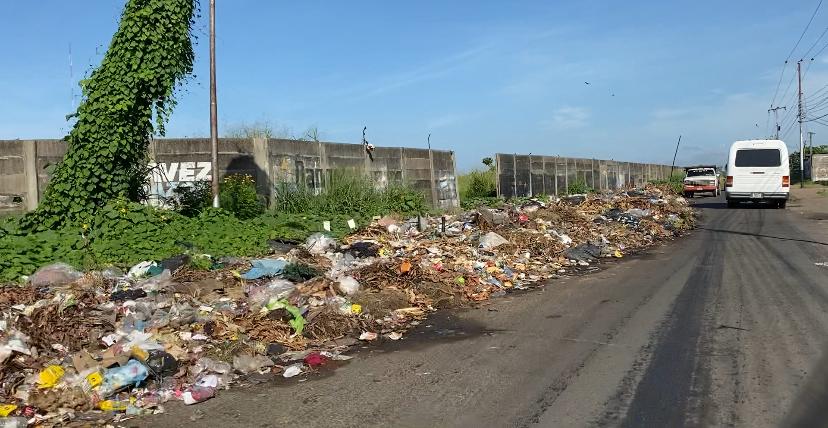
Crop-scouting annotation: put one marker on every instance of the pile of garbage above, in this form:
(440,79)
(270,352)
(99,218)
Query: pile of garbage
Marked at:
(105,346)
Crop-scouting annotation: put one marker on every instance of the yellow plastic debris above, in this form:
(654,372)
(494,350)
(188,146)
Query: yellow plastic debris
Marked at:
(618,254)
(139,354)
(94,379)
(6,409)
(356,309)
(115,405)
(460,280)
(50,376)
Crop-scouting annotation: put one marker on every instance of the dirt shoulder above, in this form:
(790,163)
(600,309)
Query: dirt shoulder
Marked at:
(811,202)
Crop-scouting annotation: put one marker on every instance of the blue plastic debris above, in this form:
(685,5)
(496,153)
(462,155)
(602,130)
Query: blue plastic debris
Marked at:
(265,267)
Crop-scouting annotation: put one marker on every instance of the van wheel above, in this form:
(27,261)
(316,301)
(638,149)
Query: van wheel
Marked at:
(781,204)
(732,203)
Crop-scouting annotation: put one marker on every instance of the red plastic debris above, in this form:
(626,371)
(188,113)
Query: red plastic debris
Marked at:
(315,359)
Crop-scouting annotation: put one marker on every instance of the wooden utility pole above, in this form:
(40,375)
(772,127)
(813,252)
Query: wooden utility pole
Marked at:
(213,105)
(801,137)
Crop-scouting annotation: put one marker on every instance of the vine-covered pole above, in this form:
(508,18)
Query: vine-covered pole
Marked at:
(213,105)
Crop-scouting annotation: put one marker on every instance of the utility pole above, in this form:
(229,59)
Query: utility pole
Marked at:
(674,158)
(811,149)
(213,105)
(801,137)
(775,111)
(811,142)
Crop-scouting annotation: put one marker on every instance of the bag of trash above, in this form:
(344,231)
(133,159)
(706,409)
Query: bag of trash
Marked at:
(319,243)
(492,240)
(141,269)
(265,267)
(258,296)
(115,379)
(348,285)
(56,274)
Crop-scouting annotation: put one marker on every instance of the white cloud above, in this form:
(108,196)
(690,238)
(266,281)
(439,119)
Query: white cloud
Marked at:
(567,118)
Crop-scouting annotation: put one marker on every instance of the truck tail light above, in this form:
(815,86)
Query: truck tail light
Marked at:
(786,181)
(729,182)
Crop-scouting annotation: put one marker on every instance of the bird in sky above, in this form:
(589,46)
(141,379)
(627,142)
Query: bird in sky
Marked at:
(586,83)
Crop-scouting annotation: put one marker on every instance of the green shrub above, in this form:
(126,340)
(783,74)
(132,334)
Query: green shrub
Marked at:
(192,200)
(675,183)
(238,195)
(578,187)
(348,193)
(477,184)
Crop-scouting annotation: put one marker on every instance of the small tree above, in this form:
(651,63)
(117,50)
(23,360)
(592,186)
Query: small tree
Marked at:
(489,162)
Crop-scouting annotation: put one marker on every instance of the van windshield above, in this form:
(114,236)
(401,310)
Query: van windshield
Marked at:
(758,157)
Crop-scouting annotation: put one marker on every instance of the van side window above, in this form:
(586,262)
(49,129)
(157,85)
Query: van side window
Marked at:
(758,157)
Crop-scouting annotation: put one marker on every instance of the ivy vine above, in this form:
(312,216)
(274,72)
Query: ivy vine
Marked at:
(126,100)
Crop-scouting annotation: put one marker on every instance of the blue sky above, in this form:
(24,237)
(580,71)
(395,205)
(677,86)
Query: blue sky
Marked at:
(481,76)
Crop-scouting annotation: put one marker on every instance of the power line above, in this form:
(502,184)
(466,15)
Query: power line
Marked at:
(793,50)
(804,31)
(805,55)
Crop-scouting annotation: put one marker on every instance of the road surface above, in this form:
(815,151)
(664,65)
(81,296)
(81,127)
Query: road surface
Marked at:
(721,328)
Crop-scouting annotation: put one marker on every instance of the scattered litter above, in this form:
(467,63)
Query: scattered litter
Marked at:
(368,336)
(292,370)
(127,343)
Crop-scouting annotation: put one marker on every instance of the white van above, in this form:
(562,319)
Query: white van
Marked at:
(758,170)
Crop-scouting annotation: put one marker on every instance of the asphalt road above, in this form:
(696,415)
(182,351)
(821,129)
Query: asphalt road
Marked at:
(721,328)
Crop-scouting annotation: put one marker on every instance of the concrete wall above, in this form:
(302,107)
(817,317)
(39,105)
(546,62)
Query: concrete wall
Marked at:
(25,166)
(529,175)
(819,167)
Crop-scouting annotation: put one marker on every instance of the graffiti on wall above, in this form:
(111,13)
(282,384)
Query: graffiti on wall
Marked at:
(167,176)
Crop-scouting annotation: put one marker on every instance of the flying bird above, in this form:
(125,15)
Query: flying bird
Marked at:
(586,83)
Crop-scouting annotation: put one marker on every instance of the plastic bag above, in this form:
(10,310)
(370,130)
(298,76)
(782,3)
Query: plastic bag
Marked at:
(492,240)
(319,243)
(115,379)
(55,275)
(293,370)
(265,267)
(141,269)
(277,289)
(348,285)
(298,321)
